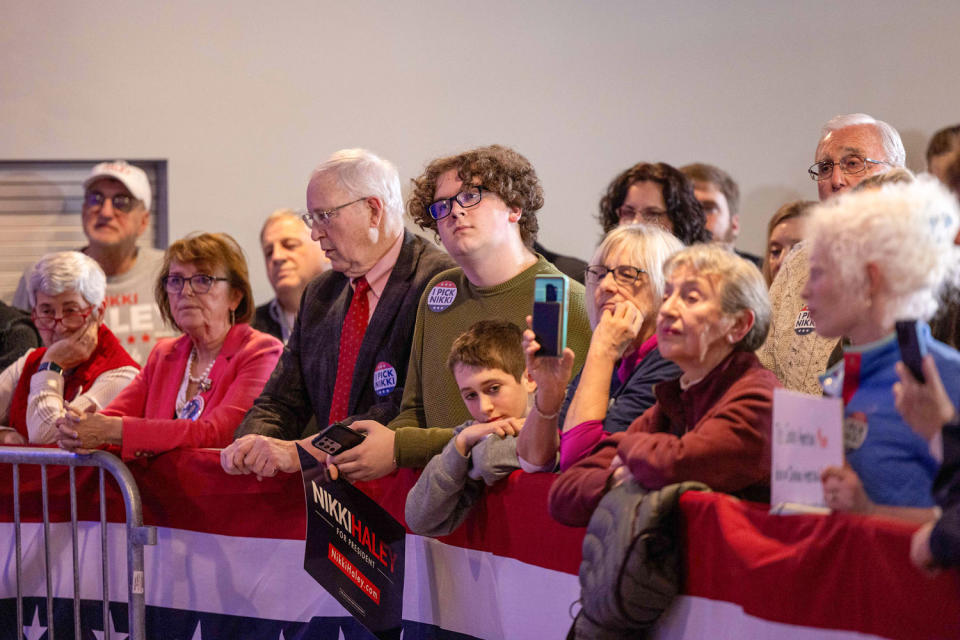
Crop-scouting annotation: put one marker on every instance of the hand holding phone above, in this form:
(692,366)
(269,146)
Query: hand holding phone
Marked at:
(337,438)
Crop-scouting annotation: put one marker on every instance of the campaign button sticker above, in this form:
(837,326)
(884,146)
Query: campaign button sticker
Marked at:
(804,323)
(441,296)
(384,378)
(855,429)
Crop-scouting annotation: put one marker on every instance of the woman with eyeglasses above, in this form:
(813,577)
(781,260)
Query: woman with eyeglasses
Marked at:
(655,194)
(712,424)
(82,365)
(195,389)
(624,286)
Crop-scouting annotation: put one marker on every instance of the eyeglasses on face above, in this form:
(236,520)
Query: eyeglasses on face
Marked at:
(323,217)
(624,274)
(120,201)
(850,165)
(71,319)
(199,283)
(628,214)
(469,197)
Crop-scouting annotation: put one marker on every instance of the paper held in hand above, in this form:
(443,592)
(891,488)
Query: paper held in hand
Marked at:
(807,437)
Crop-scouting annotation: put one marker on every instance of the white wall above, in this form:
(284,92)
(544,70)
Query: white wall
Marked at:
(244,99)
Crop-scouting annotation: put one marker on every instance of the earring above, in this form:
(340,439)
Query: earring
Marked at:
(233,316)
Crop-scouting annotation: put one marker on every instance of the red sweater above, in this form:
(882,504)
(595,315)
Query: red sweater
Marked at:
(716,432)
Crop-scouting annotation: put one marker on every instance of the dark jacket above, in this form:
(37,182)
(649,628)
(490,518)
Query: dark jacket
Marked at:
(301,386)
(263,321)
(17,334)
(629,400)
(945,537)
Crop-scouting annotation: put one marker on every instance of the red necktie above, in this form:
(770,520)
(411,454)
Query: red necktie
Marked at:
(351,336)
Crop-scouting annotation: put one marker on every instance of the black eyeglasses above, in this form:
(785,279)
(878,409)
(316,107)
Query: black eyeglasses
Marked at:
(120,201)
(311,218)
(199,283)
(850,165)
(624,274)
(469,197)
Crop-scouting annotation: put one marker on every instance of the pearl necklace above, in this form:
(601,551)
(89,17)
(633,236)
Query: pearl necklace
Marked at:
(203,381)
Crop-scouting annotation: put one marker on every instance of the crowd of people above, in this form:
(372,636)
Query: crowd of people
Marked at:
(675,340)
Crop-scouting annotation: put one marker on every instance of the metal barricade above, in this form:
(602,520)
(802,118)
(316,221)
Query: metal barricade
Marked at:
(137,534)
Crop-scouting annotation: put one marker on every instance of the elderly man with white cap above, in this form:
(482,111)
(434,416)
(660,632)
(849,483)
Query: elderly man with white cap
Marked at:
(116,212)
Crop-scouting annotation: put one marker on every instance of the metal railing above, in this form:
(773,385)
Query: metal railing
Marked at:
(137,534)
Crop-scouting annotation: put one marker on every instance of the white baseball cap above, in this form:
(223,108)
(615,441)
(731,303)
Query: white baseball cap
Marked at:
(133,178)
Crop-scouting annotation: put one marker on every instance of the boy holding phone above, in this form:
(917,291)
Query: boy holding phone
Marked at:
(487,362)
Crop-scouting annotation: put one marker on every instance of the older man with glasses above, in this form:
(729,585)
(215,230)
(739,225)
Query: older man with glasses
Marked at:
(115,213)
(347,354)
(851,149)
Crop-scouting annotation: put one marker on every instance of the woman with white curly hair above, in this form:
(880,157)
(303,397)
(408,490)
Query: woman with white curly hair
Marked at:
(876,257)
(82,365)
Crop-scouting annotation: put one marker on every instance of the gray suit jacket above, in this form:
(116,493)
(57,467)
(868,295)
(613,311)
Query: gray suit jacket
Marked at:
(301,386)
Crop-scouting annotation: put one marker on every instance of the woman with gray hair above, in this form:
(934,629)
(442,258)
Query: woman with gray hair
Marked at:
(81,365)
(876,257)
(624,287)
(711,425)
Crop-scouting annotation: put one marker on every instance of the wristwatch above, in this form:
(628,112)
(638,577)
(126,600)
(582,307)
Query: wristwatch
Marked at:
(52,366)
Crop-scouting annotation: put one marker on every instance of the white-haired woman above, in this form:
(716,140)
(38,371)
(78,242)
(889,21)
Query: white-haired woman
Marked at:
(879,256)
(713,423)
(81,365)
(624,287)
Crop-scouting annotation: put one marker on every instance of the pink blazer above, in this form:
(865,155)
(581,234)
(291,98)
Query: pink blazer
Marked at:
(148,404)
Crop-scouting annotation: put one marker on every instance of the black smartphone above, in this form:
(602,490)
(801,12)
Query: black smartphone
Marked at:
(337,438)
(550,301)
(911,349)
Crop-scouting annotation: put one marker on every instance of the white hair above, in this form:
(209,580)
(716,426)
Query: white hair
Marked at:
(362,174)
(56,273)
(647,247)
(741,286)
(279,214)
(889,138)
(905,229)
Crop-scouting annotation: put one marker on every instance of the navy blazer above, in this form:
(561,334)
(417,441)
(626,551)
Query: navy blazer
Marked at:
(301,386)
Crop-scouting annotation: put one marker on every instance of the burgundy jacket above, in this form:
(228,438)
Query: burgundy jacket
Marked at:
(716,432)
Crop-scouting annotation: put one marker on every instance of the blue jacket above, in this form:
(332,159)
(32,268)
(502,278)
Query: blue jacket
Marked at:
(893,462)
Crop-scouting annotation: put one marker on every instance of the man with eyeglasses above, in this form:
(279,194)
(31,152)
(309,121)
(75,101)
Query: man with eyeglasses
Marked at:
(852,148)
(115,213)
(347,354)
(483,205)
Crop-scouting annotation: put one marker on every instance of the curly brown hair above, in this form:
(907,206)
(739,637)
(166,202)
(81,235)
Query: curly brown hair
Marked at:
(683,209)
(498,169)
(207,251)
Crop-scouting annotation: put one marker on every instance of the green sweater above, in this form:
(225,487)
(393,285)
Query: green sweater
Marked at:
(431,404)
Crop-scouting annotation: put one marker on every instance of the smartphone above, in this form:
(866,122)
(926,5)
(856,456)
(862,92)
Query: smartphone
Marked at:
(550,300)
(911,349)
(337,438)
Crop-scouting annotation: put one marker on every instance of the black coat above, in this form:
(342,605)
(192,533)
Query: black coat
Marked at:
(301,386)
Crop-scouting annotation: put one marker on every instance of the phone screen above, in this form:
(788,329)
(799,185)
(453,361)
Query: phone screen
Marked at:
(550,298)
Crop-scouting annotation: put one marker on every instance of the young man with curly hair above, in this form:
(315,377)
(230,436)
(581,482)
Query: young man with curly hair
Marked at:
(483,206)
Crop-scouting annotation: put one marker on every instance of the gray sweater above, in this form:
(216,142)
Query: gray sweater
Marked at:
(451,483)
